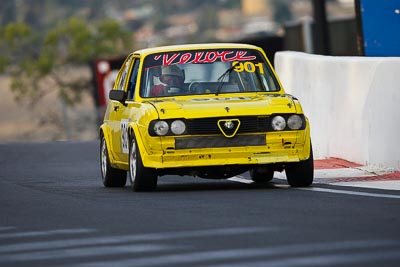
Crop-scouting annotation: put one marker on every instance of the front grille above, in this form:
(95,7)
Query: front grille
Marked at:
(219,141)
(249,124)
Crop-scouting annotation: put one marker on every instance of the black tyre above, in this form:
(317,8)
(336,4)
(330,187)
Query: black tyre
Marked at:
(301,173)
(262,174)
(142,178)
(112,177)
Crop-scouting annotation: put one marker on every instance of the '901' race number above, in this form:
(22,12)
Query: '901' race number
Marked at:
(247,66)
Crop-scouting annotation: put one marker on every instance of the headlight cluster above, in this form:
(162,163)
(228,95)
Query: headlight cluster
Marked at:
(170,127)
(290,122)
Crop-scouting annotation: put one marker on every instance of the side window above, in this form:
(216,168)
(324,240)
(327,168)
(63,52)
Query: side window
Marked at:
(133,79)
(124,74)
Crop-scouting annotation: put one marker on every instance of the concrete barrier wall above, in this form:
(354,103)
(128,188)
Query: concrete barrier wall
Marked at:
(353,104)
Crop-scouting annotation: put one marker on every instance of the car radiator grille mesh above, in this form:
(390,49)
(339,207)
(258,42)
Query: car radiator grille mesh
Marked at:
(249,124)
(248,134)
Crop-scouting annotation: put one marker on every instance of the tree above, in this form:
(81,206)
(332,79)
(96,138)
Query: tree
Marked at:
(31,60)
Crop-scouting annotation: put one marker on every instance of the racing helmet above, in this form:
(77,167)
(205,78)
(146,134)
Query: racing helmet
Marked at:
(172,75)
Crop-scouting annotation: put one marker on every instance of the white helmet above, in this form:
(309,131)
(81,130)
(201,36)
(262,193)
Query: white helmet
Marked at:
(172,76)
(172,70)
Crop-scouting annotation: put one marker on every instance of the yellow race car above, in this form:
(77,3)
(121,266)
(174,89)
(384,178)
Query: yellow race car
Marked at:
(207,110)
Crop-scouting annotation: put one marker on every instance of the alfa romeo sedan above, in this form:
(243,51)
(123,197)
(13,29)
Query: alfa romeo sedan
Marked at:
(206,110)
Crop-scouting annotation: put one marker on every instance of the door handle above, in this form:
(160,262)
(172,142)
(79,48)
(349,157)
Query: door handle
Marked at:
(116,108)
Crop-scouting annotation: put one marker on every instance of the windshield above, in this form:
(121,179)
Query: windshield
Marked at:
(206,72)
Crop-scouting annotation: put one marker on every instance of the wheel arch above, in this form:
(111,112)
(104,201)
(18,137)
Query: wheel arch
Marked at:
(307,142)
(105,132)
(134,131)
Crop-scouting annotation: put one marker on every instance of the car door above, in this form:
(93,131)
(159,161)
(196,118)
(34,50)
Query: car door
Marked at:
(117,109)
(130,109)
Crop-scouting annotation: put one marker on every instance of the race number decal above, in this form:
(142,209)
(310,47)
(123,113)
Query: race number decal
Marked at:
(248,66)
(124,136)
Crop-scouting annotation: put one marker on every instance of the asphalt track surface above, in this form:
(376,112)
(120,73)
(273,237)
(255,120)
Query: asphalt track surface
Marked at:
(55,212)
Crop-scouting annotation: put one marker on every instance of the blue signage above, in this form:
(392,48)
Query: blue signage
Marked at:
(381,27)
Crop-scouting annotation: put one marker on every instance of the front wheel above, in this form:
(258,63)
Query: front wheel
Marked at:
(301,173)
(111,177)
(142,178)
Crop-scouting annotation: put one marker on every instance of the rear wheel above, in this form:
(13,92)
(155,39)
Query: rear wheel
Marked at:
(111,177)
(262,174)
(142,178)
(301,173)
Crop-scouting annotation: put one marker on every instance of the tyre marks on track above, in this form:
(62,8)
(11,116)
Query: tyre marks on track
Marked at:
(30,247)
(186,248)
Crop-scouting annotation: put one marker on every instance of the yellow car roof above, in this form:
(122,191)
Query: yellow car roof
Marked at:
(171,48)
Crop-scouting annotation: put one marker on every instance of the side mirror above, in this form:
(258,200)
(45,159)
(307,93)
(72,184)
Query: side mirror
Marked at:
(118,95)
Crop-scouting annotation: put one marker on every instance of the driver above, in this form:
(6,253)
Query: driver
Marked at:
(171,79)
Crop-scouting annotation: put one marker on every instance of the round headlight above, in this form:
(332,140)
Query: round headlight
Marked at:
(161,128)
(178,127)
(295,122)
(278,123)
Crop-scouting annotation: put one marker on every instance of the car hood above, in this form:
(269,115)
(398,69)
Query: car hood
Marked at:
(226,106)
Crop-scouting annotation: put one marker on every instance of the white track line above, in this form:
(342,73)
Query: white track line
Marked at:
(364,194)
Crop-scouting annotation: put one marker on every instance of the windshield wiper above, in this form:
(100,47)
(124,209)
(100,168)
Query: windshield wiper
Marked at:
(222,77)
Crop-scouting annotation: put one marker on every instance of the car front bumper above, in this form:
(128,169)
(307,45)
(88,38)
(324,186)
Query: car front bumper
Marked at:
(200,151)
